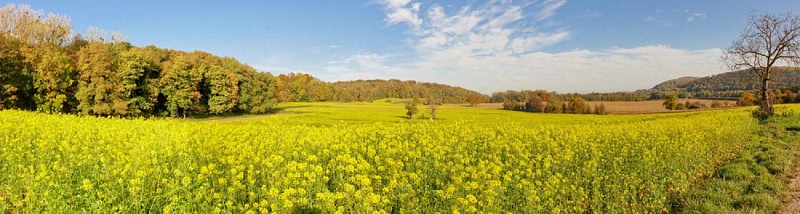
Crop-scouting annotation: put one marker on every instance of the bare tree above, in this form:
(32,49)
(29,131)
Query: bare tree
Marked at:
(769,40)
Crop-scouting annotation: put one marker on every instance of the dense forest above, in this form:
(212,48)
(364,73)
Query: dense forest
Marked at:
(45,67)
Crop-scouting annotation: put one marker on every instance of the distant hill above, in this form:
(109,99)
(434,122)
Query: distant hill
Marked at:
(674,83)
(367,90)
(729,84)
(300,87)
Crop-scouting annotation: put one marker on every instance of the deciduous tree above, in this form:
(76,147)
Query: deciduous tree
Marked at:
(411,108)
(767,41)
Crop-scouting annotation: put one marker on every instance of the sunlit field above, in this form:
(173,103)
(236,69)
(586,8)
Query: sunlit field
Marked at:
(363,157)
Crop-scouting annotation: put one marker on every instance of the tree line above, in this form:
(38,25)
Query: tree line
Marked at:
(525,95)
(298,87)
(547,102)
(46,68)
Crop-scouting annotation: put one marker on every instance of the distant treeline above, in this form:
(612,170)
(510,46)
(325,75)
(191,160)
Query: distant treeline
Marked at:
(526,95)
(44,67)
(552,102)
(296,87)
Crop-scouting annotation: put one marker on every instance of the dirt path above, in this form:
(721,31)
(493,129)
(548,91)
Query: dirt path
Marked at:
(791,202)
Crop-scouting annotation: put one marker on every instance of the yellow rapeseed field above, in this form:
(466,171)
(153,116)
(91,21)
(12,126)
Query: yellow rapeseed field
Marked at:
(68,164)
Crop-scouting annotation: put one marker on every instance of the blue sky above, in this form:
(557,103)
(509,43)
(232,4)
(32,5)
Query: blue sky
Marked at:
(566,46)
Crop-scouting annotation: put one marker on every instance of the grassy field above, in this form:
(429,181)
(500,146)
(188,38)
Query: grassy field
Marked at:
(365,157)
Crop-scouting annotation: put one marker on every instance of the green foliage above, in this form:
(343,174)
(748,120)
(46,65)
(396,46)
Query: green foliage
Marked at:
(671,102)
(553,107)
(139,71)
(180,84)
(411,108)
(578,106)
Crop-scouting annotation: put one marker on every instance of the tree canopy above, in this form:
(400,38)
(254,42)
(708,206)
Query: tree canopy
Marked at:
(44,68)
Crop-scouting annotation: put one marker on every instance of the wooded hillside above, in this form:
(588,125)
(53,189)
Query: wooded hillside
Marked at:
(730,84)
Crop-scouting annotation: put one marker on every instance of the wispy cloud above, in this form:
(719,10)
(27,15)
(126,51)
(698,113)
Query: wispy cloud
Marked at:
(499,45)
(662,22)
(694,16)
(592,14)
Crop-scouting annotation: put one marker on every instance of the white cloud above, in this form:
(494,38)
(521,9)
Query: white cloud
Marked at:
(694,16)
(659,21)
(400,11)
(548,9)
(499,45)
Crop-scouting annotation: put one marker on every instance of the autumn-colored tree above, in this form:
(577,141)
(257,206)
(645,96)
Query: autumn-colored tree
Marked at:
(475,99)
(535,104)
(578,106)
(54,80)
(32,27)
(746,99)
(29,37)
(293,87)
(15,76)
(100,88)
(789,97)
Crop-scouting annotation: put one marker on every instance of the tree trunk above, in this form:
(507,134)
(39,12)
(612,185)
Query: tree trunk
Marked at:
(766,103)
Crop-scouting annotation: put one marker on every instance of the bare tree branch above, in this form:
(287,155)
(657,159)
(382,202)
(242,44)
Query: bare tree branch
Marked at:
(768,40)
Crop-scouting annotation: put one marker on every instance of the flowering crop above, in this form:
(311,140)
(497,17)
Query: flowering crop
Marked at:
(63,163)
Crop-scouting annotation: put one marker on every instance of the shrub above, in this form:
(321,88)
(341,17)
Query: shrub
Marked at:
(746,99)
(600,109)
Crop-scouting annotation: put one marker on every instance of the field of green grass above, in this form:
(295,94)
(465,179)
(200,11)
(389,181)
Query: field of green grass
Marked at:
(367,157)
